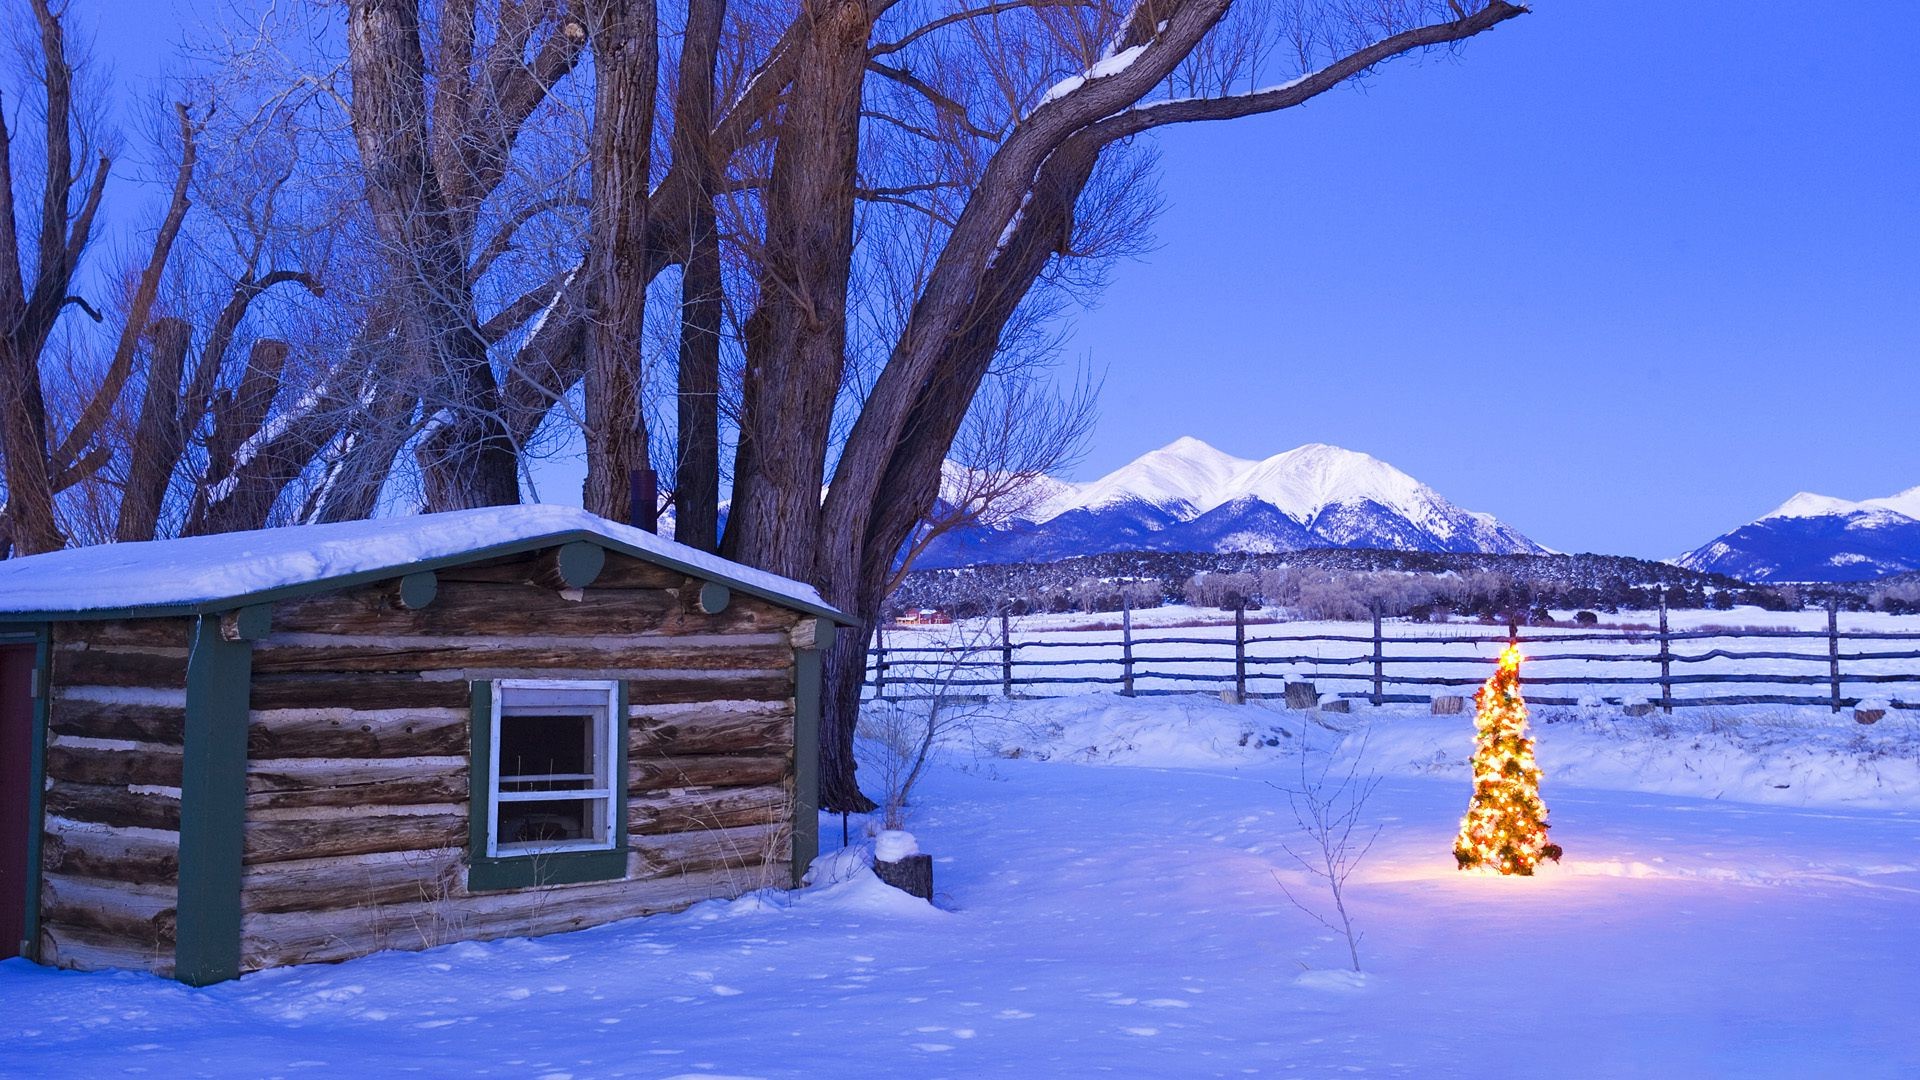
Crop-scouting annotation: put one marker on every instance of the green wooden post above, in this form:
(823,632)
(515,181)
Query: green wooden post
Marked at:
(37,779)
(806,749)
(213,798)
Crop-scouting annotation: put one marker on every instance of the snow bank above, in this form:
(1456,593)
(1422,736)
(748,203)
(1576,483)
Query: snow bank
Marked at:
(1789,757)
(1182,731)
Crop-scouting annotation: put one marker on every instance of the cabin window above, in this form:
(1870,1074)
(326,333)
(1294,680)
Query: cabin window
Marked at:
(554,764)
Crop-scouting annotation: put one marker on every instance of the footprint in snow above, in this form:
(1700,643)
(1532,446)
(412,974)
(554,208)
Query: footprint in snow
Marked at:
(726,991)
(1143,1032)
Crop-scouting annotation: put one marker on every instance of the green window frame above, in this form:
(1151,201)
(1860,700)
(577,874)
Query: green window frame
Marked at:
(495,867)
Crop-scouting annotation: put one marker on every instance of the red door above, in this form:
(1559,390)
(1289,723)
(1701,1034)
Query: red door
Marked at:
(16,777)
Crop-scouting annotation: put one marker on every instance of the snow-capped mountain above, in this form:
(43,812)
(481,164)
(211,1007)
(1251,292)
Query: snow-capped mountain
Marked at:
(1188,496)
(1819,538)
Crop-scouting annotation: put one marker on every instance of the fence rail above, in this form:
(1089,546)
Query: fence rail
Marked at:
(1248,668)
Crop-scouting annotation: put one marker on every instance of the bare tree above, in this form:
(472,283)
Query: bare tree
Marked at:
(1328,810)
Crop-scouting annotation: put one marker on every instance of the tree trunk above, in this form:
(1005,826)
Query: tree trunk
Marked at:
(696,485)
(796,337)
(159,439)
(625,53)
(466,458)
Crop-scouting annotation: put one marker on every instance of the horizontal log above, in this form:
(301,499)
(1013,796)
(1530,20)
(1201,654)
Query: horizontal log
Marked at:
(356,692)
(710,727)
(352,881)
(322,832)
(706,770)
(311,652)
(137,856)
(363,733)
(141,916)
(300,937)
(148,765)
(169,632)
(81,664)
(765,847)
(485,608)
(672,688)
(280,783)
(80,949)
(679,810)
(115,720)
(119,805)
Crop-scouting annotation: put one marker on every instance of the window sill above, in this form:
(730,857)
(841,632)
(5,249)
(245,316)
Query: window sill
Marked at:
(554,868)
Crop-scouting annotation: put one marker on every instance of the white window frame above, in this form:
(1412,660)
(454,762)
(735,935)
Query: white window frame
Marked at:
(604,759)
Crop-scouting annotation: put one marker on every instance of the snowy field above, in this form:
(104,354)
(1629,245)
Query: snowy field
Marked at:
(1081,645)
(1740,898)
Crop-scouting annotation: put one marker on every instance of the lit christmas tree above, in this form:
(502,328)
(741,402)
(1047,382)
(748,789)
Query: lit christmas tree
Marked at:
(1506,823)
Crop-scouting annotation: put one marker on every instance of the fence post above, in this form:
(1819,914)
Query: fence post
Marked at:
(1126,647)
(1833,649)
(879,664)
(1240,652)
(1006,658)
(1379,658)
(1666,659)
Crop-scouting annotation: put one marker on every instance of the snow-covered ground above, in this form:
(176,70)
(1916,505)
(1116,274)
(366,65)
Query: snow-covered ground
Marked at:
(1082,645)
(1110,907)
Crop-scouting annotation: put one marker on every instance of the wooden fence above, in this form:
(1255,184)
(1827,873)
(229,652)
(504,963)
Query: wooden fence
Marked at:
(1259,665)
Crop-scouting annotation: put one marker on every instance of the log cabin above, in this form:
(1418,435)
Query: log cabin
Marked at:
(228,753)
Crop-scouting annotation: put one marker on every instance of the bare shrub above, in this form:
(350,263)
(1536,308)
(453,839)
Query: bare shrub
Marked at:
(1328,809)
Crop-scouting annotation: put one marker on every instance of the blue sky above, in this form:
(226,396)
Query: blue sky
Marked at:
(1626,277)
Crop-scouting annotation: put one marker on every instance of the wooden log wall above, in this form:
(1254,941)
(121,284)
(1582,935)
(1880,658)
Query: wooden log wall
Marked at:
(358,743)
(110,854)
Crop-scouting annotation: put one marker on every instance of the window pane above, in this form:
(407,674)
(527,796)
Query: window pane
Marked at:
(545,822)
(546,753)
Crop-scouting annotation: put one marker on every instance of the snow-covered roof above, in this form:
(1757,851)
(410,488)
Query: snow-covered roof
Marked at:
(203,573)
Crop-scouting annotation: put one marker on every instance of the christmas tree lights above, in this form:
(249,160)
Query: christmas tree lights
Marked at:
(1506,824)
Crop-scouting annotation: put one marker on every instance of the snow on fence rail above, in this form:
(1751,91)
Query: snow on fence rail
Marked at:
(1709,666)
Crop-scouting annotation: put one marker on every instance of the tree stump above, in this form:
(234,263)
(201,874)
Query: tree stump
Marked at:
(1869,716)
(913,875)
(1337,705)
(1302,695)
(1638,709)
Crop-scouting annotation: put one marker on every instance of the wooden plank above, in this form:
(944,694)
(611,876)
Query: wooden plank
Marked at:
(139,856)
(710,727)
(116,720)
(78,949)
(673,688)
(148,765)
(356,692)
(279,783)
(467,608)
(114,805)
(276,655)
(170,632)
(679,810)
(652,773)
(364,733)
(272,836)
(141,916)
(765,846)
(273,939)
(352,881)
(81,664)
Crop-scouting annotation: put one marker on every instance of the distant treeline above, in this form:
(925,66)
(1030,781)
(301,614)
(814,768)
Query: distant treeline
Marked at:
(1347,583)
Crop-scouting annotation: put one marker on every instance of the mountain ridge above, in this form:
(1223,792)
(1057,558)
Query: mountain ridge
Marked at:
(1191,496)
